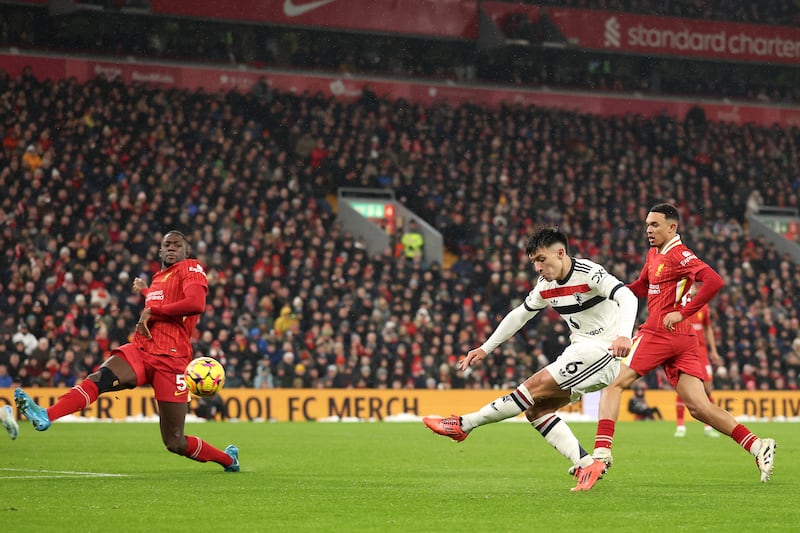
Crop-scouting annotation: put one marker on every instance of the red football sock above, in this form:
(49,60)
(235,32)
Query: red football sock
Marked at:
(78,397)
(605,433)
(680,409)
(743,437)
(201,451)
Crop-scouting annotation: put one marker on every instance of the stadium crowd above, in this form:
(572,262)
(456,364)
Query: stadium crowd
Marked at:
(92,174)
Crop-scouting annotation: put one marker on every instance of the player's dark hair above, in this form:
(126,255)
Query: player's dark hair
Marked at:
(669,211)
(180,234)
(545,238)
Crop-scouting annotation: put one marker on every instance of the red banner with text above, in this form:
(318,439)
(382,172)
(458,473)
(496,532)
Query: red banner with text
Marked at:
(303,405)
(669,36)
(438,18)
(223,79)
(458,19)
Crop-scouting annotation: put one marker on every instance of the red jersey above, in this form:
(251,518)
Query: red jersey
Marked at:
(666,279)
(700,321)
(171,335)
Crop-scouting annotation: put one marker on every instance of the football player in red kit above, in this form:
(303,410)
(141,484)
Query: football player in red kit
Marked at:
(157,356)
(668,339)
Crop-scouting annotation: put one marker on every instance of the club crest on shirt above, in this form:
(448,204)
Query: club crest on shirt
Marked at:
(659,269)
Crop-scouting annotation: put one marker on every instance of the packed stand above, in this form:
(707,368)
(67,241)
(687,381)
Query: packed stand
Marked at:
(92,175)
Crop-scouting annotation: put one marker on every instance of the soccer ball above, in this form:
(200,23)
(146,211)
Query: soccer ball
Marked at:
(204,376)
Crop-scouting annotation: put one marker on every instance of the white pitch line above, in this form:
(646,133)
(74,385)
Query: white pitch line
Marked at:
(58,474)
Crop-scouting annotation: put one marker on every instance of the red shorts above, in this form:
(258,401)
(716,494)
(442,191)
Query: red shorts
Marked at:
(676,353)
(163,372)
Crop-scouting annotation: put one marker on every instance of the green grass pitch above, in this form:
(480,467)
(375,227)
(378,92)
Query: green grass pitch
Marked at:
(389,477)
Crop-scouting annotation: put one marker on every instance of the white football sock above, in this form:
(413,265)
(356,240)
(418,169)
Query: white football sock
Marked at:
(500,409)
(559,435)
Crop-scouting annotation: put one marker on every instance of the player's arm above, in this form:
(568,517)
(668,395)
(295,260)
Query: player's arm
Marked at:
(142,327)
(628,309)
(192,303)
(613,289)
(140,286)
(507,327)
(711,285)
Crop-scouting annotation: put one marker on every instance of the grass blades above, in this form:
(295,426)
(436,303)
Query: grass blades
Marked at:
(389,477)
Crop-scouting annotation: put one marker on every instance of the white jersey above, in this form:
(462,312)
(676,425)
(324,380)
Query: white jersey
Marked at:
(587,299)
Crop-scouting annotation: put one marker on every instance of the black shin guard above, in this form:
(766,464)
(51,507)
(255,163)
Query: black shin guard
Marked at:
(108,380)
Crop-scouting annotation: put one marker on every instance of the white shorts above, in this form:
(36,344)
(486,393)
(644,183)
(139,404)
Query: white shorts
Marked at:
(584,367)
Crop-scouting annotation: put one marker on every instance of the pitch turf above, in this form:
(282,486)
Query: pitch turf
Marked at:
(388,477)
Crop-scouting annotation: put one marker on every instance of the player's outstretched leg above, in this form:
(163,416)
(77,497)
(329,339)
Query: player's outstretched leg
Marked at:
(448,427)
(8,421)
(233,452)
(765,458)
(28,408)
(589,475)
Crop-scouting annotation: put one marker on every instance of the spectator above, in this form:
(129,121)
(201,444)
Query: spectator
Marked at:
(6,381)
(413,242)
(211,407)
(638,405)
(24,336)
(286,322)
(31,160)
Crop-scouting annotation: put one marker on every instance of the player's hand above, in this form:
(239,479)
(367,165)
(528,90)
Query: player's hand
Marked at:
(141,325)
(715,359)
(472,357)
(620,348)
(670,319)
(139,285)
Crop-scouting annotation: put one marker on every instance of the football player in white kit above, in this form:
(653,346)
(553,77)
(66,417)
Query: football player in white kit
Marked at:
(600,312)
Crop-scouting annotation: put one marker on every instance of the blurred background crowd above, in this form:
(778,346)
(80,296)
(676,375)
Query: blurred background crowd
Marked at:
(92,175)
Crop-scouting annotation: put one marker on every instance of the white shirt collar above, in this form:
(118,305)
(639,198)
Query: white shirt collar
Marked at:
(670,244)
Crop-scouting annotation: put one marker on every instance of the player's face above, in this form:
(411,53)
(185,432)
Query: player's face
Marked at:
(659,229)
(550,262)
(173,249)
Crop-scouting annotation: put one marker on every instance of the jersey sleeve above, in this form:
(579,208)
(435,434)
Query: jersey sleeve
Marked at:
(515,319)
(534,301)
(612,288)
(194,274)
(711,283)
(507,327)
(605,283)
